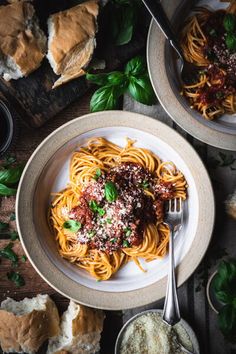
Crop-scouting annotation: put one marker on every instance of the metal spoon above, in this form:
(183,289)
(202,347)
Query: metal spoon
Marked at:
(187,70)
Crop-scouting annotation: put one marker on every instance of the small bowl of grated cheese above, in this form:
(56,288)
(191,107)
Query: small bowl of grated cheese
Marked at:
(147,333)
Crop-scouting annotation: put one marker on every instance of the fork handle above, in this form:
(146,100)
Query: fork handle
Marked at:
(171,314)
(156,10)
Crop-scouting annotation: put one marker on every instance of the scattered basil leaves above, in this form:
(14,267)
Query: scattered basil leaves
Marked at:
(6,191)
(229,22)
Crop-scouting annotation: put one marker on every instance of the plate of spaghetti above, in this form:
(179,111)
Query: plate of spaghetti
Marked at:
(205,103)
(91,206)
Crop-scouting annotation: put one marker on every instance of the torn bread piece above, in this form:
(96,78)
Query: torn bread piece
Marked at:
(22,42)
(71,40)
(26,324)
(80,332)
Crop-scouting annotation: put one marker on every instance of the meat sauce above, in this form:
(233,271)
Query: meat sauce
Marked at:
(110,226)
(223,82)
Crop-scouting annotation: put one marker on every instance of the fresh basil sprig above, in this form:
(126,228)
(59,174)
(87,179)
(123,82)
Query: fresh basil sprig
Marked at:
(134,80)
(225,291)
(72,225)
(111,192)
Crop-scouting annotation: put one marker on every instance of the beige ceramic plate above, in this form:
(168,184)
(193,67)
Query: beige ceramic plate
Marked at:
(164,76)
(47,171)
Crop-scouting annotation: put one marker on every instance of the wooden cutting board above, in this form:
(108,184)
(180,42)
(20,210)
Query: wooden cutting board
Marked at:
(33,98)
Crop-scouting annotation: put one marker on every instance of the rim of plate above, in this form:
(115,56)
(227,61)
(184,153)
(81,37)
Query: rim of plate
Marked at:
(27,232)
(207,131)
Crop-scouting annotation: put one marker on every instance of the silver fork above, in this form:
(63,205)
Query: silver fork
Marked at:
(188,70)
(171,313)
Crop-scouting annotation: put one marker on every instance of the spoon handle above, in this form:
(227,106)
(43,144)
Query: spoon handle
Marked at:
(156,10)
(171,314)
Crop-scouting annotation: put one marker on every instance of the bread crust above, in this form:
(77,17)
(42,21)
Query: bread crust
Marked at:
(73,40)
(20,37)
(84,331)
(29,331)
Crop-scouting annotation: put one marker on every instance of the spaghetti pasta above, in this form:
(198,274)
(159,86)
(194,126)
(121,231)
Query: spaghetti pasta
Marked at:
(133,210)
(206,43)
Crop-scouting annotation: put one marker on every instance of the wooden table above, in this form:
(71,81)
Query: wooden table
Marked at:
(193,302)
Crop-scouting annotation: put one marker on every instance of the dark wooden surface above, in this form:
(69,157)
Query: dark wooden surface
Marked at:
(33,97)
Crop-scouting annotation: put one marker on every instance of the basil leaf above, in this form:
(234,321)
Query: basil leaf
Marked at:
(3,226)
(141,90)
(14,235)
(126,243)
(230,41)
(145,185)
(127,231)
(229,22)
(11,175)
(117,78)
(8,160)
(136,66)
(16,278)
(101,211)
(8,253)
(91,233)
(98,79)
(72,225)
(23,258)
(98,174)
(93,205)
(123,21)
(227,321)
(12,217)
(111,192)
(105,98)
(6,191)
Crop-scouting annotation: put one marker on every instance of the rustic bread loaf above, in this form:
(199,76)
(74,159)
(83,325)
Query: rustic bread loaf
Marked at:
(25,325)
(80,332)
(71,40)
(22,42)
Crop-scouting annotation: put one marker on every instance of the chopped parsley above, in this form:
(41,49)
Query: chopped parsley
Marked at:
(108,220)
(23,258)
